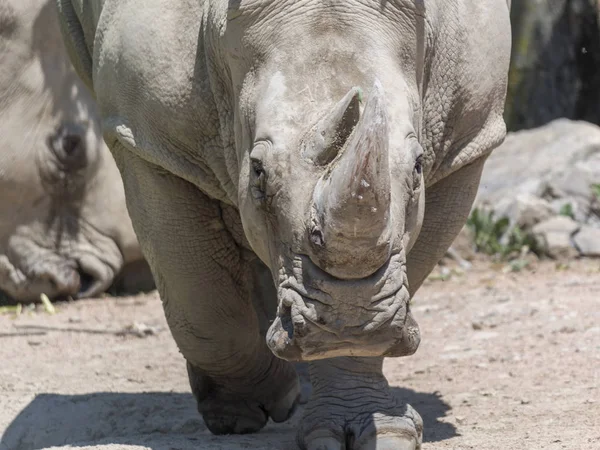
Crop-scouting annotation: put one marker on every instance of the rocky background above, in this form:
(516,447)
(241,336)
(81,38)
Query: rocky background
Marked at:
(540,191)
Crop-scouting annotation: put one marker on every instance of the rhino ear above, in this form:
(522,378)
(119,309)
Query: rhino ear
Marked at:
(333,130)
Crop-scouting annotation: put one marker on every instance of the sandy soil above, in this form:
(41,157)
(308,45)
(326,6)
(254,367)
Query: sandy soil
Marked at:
(507,361)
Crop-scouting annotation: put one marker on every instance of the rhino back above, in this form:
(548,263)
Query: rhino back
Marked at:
(166,93)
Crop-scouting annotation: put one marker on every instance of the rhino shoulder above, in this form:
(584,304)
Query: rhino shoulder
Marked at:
(467,60)
(152,82)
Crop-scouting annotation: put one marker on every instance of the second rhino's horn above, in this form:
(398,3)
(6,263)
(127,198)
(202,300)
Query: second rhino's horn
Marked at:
(352,200)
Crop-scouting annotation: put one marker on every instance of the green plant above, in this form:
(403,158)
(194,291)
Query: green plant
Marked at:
(567,210)
(487,231)
(596,191)
(520,239)
(496,237)
(516,265)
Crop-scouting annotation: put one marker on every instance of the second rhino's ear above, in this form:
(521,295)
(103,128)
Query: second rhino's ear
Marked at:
(333,130)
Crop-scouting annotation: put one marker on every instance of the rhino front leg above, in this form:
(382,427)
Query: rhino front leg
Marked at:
(352,408)
(447,208)
(206,286)
(265,305)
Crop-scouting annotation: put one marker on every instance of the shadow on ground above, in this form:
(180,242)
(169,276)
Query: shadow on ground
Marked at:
(163,421)
(431,407)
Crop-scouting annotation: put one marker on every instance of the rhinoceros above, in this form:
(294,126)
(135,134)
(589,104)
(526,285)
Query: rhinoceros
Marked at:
(64,227)
(293,171)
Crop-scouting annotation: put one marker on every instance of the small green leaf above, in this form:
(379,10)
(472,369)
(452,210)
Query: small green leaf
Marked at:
(567,210)
(596,191)
(489,235)
(360,95)
(48,306)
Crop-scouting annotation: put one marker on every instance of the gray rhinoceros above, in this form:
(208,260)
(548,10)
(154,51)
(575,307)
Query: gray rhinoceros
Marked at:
(320,156)
(64,227)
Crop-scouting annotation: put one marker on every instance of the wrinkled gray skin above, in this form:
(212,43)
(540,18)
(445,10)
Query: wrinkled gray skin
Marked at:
(254,174)
(64,227)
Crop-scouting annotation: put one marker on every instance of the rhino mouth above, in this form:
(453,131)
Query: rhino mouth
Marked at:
(95,275)
(83,277)
(57,277)
(325,317)
(87,284)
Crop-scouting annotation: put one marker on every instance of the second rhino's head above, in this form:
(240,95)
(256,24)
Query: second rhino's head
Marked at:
(331,188)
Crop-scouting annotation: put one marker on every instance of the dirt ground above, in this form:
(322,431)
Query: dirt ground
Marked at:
(507,361)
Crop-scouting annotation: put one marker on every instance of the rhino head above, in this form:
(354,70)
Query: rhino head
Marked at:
(331,196)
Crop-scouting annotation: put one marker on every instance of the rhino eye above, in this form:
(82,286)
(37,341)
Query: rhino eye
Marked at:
(257,167)
(419,165)
(259,180)
(417,173)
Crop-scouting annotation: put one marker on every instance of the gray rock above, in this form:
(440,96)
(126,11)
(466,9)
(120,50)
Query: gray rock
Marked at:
(529,162)
(594,220)
(587,241)
(554,237)
(535,173)
(560,205)
(557,224)
(557,245)
(575,183)
(524,210)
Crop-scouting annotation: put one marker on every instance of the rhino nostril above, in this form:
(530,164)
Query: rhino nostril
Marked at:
(62,281)
(87,281)
(70,143)
(316,237)
(286,321)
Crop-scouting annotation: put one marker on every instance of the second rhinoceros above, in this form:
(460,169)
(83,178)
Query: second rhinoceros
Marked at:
(64,227)
(299,166)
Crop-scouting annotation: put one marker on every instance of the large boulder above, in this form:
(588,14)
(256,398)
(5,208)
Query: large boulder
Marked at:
(587,241)
(543,180)
(555,236)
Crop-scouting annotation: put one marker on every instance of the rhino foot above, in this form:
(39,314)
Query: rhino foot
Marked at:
(356,410)
(238,407)
(395,430)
